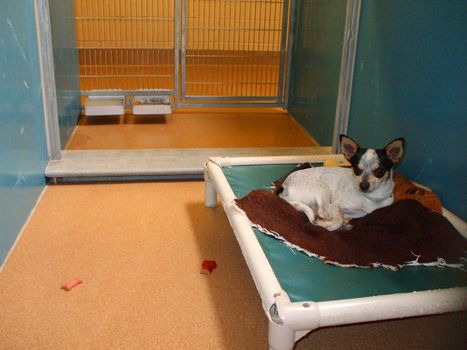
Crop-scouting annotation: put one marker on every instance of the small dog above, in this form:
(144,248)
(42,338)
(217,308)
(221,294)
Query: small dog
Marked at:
(329,197)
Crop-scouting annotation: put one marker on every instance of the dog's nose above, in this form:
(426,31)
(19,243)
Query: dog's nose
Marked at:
(364,186)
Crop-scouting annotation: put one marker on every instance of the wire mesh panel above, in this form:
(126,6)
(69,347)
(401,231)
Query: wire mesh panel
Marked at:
(126,44)
(234,49)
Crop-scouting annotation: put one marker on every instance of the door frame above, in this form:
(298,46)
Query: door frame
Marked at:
(49,93)
(349,53)
(47,73)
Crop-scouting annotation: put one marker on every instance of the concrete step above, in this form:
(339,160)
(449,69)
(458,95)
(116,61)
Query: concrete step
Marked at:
(167,163)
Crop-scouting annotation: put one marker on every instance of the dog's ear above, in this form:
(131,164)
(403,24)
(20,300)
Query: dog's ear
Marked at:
(348,146)
(395,150)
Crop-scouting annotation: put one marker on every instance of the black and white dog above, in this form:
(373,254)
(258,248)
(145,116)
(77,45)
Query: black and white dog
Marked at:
(330,196)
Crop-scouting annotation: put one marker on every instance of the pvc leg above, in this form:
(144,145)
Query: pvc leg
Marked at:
(280,337)
(210,195)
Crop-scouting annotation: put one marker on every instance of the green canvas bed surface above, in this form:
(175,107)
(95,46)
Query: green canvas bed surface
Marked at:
(305,278)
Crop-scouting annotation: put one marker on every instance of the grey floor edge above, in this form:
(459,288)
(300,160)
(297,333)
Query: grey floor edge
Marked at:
(183,162)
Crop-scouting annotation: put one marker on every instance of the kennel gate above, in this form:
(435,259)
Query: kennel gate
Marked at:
(202,52)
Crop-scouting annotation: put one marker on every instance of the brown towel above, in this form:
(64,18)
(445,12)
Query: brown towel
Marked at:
(403,233)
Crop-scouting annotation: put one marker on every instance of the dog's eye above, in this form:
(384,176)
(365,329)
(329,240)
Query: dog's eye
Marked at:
(357,170)
(379,172)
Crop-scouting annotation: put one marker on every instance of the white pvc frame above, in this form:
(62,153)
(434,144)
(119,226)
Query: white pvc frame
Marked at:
(290,321)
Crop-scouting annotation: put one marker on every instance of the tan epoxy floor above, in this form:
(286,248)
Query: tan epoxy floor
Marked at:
(207,128)
(138,248)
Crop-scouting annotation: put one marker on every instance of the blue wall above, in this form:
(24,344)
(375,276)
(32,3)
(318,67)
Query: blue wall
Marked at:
(411,80)
(62,18)
(23,152)
(316,62)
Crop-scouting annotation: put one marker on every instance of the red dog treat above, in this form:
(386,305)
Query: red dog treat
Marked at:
(72,283)
(207,266)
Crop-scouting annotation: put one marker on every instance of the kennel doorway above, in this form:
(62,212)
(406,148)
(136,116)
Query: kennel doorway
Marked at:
(198,52)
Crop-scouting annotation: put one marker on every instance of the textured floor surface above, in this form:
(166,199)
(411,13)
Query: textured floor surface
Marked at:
(209,128)
(138,247)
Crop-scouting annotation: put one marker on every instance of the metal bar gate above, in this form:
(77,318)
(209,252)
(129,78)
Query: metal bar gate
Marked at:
(126,45)
(232,51)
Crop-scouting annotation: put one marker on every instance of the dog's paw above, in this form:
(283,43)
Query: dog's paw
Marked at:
(330,225)
(346,225)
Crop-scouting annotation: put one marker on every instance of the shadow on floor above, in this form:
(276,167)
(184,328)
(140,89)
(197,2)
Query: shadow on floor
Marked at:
(127,119)
(236,301)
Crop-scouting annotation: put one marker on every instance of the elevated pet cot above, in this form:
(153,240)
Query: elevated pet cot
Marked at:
(301,293)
